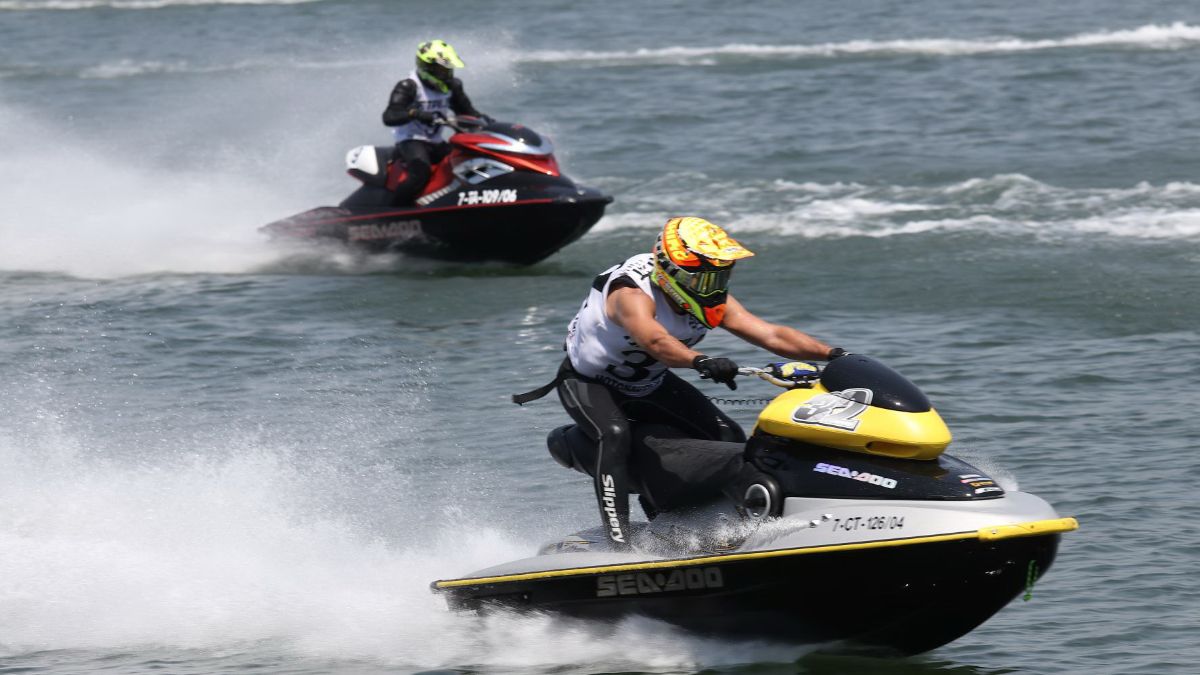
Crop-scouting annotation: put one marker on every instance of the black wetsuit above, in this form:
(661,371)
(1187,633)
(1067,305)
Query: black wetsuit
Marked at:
(419,156)
(604,414)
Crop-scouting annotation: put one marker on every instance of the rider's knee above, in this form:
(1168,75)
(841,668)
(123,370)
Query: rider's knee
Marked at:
(419,171)
(614,439)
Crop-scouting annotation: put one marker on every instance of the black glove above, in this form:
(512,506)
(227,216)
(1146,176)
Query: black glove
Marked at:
(426,116)
(717,369)
(835,352)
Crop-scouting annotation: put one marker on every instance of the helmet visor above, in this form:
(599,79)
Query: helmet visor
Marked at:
(438,71)
(703,283)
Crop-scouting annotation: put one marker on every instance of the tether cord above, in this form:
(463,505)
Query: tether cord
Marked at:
(739,401)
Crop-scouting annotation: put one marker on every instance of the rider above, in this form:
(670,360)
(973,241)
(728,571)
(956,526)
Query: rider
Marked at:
(643,317)
(416,106)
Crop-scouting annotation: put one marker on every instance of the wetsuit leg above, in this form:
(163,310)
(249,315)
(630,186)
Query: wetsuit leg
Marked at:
(438,152)
(415,155)
(679,404)
(592,406)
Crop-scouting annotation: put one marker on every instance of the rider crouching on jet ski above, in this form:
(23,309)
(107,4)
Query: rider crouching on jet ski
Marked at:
(643,317)
(416,105)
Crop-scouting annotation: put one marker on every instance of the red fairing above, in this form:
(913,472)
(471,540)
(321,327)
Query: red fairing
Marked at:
(537,163)
(443,173)
(395,174)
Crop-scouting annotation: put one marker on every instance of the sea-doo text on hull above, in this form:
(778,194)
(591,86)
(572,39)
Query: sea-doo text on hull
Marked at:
(839,520)
(498,195)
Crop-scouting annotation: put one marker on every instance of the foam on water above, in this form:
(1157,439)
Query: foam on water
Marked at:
(219,549)
(1177,35)
(1001,205)
(35,5)
(158,201)
(1174,36)
(97,216)
(128,68)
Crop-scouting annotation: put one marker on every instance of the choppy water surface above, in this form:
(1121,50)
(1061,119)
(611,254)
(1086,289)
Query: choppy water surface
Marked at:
(217,455)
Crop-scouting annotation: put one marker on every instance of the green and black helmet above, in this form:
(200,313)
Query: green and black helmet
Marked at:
(436,62)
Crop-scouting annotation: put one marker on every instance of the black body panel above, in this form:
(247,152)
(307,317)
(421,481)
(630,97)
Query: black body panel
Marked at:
(522,232)
(891,389)
(804,470)
(908,598)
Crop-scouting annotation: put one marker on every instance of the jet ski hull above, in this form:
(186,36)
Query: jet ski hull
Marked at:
(901,595)
(522,233)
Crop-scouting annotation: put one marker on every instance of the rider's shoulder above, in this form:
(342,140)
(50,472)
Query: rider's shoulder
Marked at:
(642,262)
(627,299)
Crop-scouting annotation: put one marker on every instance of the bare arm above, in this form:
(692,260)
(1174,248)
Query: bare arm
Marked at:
(781,340)
(633,310)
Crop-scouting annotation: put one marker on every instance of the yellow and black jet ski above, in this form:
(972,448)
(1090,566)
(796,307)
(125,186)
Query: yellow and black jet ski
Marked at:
(840,520)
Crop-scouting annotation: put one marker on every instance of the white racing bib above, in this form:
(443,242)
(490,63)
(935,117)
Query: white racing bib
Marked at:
(427,99)
(602,350)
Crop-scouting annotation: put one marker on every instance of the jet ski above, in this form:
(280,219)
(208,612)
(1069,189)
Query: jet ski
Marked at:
(841,520)
(498,195)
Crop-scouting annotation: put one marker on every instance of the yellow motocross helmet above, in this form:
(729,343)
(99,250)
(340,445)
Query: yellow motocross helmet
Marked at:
(692,262)
(436,62)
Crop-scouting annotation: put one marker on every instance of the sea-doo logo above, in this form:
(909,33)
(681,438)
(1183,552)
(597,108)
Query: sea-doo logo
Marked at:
(644,583)
(834,470)
(838,409)
(403,229)
(610,508)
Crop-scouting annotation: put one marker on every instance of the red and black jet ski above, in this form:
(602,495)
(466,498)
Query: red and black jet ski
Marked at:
(497,195)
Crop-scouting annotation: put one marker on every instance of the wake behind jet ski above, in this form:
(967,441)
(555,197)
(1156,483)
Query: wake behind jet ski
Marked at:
(841,519)
(498,195)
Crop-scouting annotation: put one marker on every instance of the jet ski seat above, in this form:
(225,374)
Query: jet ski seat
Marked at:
(667,469)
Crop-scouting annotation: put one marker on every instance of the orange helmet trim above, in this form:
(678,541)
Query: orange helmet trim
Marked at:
(674,247)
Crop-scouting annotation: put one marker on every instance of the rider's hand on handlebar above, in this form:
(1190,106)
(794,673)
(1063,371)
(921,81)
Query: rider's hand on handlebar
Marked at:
(429,117)
(717,369)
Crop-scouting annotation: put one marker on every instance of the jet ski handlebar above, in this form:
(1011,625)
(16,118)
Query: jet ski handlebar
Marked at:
(463,123)
(786,374)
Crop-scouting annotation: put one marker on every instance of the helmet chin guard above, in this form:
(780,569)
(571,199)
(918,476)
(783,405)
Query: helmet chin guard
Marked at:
(693,260)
